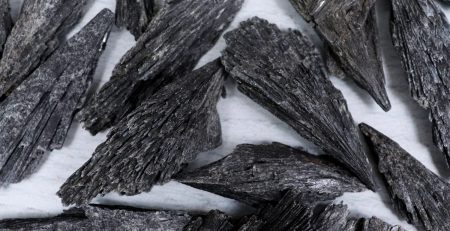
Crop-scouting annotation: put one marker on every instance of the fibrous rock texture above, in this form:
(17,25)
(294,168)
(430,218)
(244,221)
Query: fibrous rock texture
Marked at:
(370,224)
(283,72)
(421,34)
(153,142)
(34,37)
(135,15)
(349,28)
(36,117)
(256,174)
(213,221)
(419,195)
(175,40)
(5,23)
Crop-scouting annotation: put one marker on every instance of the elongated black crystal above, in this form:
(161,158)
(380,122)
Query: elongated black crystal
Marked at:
(135,15)
(155,141)
(419,195)
(36,117)
(283,72)
(176,39)
(34,37)
(255,174)
(349,28)
(5,23)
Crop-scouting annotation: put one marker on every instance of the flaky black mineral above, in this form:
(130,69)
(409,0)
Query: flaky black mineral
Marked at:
(5,23)
(135,15)
(175,40)
(37,115)
(283,72)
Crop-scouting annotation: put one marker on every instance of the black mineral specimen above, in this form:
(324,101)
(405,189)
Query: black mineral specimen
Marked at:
(370,224)
(36,117)
(283,72)
(419,195)
(349,28)
(34,37)
(135,15)
(5,23)
(154,141)
(421,35)
(213,221)
(175,40)
(256,174)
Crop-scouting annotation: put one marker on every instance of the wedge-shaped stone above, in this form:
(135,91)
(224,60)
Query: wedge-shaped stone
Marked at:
(256,174)
(5,23)
(283,72)
(147,147)
(135,15)
(34,37)
(349,28)
(36,117)
(176,39)
(419,195)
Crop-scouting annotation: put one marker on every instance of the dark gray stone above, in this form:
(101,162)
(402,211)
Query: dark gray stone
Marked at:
(5,23)
(349,28)
(175,40)
(256,174)
(34,37)
(213,221)
(154,141)
(370,224)
(283,72)
(36,117)
(419,195)
(135,15)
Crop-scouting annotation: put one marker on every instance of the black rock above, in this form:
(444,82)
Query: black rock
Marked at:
(36,117)
(5,23)
(213,221)
(349,28)
(256,174)
(421,34)
(419,195)
(135,15)
(154,141)
(34,37)
(370,224)
(175,40)
(283,72)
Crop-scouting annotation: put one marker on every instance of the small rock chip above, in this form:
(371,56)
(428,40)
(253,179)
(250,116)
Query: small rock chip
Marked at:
(419,195)
(5,23)
(255,174)
(283,72)
(135,15)
(36,117)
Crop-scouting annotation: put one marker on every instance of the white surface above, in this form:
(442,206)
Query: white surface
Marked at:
(243,122)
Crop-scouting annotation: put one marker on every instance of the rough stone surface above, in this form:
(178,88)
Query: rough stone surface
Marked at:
(283,72)
(421,34)
(177,37)
(5,23)
(370,224)
(255,174)
(36,32)
(155,141)
(36,117)
(419,195)
(349,28)
(213,221)
(135,15)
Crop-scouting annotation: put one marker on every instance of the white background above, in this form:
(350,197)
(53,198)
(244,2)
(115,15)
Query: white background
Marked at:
(243,121)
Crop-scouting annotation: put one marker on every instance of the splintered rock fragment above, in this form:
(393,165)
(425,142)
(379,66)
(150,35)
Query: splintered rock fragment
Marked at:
(154,141)
(92,218)
(213,221)
(260,173)
(36,117)
(178,36)
(419,195)
(421,35)
(283,72)
(134,15)
(5,23)
(34,37)
(349,28)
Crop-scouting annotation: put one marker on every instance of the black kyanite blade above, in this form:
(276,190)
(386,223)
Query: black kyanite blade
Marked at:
(135,15)
(421,34)
(89,218)
(5,23)
(419,195)
(349,28)
(283,72)
(34,37)
(256,174)
(176,39)
(370,224)
(36,117)
(213,221)
(154,141)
